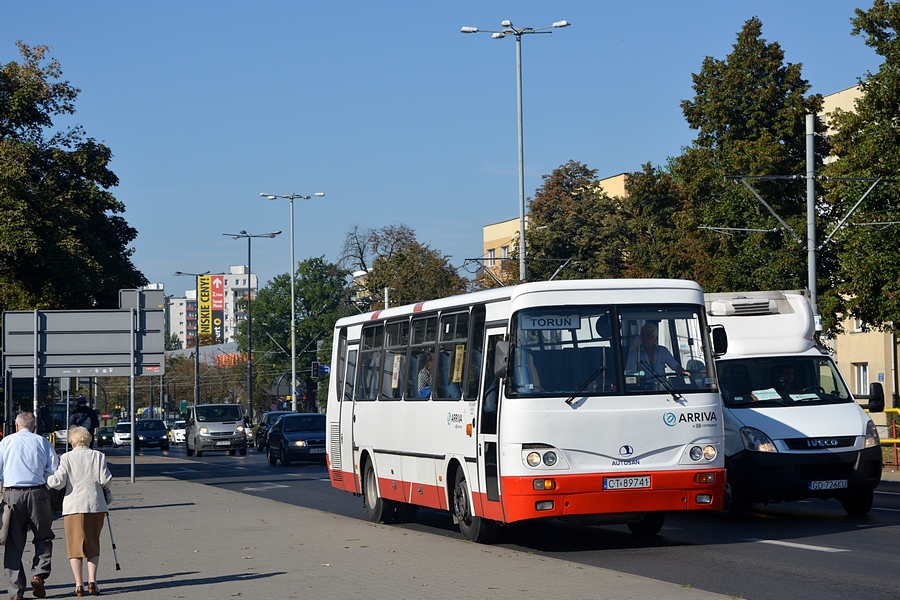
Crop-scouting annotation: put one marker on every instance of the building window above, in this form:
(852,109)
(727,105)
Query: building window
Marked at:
(861,372)
(491,255)
(504,252)
(859,326)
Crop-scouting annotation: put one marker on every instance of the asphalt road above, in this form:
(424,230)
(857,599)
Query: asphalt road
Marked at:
(785,551)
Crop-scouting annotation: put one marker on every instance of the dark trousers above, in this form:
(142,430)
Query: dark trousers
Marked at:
(31,510)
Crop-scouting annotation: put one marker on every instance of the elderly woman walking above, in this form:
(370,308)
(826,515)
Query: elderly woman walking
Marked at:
(85,476)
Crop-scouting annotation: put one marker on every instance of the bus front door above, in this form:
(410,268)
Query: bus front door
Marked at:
(489,405)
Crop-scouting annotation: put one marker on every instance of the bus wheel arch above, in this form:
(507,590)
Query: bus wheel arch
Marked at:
(473,528)
(378,509)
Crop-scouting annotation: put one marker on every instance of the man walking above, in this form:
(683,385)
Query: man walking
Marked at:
(26,460)
(86,417)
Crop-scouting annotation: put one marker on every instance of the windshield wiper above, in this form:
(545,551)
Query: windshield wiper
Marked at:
(583,386)
(663,381)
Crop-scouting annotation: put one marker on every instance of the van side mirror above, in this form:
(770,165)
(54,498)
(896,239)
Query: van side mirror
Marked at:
(876,397)
(719,339)
(501,359)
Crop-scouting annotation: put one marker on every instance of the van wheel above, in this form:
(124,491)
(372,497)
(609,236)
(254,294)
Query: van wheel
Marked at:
(735,506)
(243,451)
(378,509)
(199,453)
(650,524)
(474,529)
(859,503)
(187,448)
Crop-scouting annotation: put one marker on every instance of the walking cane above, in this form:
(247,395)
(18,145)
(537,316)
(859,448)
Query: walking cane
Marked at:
(113,540)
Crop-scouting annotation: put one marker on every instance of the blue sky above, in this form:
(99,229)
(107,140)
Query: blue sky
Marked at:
(384,106)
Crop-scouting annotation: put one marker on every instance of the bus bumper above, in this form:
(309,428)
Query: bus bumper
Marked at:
(584,495)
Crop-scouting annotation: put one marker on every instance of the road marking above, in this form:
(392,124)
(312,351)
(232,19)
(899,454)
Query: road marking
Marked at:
(796,545)
(264,488)
(181,470)
(888,493)
(887,509)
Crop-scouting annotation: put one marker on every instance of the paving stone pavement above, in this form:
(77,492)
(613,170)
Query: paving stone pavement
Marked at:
(178,539)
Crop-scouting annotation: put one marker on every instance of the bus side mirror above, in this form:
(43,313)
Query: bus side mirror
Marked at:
(876,397)
(501,359)
(719,340)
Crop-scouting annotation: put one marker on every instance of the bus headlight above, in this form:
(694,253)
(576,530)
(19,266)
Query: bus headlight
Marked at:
(533,459)
(710,452)
(550,458)
(696,453)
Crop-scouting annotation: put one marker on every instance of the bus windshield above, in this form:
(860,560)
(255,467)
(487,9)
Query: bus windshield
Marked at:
(781,381)
(605,350)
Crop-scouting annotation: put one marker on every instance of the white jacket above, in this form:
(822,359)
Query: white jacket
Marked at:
(84,474)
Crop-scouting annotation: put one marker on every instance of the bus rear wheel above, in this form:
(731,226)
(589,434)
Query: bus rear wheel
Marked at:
(473,529)
(378,509)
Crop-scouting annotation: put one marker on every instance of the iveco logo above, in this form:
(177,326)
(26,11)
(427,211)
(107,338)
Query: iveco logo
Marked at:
(626,450)
(670,419)
(832,443)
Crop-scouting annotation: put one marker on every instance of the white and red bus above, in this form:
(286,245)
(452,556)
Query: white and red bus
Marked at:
(593,401)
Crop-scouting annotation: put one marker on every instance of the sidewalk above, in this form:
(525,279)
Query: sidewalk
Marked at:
(184,540)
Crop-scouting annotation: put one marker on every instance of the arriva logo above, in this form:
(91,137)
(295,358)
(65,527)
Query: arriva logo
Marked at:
(670,419)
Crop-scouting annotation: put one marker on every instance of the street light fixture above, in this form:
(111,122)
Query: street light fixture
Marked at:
(250,236)
(196,277)
(508,30)
(291,197)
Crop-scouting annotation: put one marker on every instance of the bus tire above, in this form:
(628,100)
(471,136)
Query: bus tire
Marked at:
(859,503)
(378,509)
(473,529)
(650,524)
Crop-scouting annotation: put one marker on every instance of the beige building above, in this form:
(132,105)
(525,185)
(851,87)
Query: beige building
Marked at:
(501,239)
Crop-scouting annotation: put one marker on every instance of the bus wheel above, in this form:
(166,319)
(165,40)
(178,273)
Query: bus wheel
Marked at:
(474,529)
(379,509)
(858,504)
(650,524)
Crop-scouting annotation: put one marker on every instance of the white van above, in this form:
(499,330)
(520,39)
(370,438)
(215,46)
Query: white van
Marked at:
(215,427)
(792,428)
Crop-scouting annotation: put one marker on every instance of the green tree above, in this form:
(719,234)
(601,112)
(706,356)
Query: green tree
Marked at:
(575,227)
(749,111)
(63,244)
(867,144)
(413,273)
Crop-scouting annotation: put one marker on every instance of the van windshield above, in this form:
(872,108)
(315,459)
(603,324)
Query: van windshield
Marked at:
(227,412)
(781,381)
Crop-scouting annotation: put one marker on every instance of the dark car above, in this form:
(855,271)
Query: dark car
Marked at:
(151,433)
(297,437)
(265,424)
(105,436)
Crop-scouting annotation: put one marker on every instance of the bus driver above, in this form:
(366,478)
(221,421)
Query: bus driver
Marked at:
(650,356)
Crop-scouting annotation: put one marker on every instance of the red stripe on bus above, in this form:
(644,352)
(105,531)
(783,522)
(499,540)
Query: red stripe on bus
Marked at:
(375,315)
(418,307)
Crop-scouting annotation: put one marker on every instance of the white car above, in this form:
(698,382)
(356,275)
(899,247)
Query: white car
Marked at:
(176,433)
(122,434)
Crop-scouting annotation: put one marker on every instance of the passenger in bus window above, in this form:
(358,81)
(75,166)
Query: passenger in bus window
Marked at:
(650,356)
(424,379)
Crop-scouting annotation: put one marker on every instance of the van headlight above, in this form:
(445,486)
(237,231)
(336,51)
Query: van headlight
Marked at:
(872,438)
(756,440)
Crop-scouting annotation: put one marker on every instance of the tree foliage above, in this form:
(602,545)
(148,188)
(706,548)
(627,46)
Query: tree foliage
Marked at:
(63,244)
(575,227)
(867,145)
(413,273)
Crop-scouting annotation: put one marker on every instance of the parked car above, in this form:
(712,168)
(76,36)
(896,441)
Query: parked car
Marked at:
(105,436)
(122,434)
(151,433)
(298,437)
(265,424)
(176,433)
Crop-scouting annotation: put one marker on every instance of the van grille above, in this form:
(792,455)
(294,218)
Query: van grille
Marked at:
(821,443)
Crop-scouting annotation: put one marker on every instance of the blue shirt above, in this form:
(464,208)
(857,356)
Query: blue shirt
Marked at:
(26,460)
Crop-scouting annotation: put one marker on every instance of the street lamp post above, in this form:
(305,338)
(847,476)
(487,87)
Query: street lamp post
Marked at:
(250,236)
(196,277)
(291,197)
(508,30)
